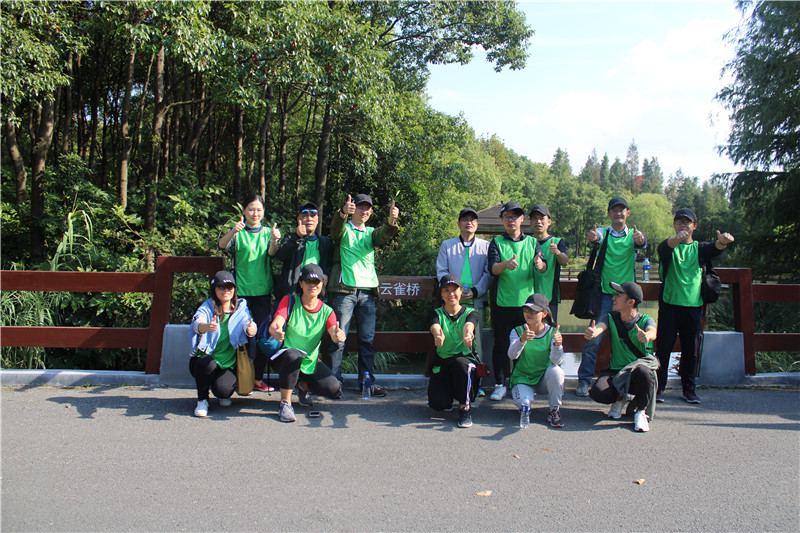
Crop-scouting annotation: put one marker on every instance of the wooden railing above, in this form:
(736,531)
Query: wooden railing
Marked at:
(745,294)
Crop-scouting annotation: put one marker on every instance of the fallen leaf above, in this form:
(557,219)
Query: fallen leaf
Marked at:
(516,456)
(547,449)
(639,481)
(484,493)
(67,406)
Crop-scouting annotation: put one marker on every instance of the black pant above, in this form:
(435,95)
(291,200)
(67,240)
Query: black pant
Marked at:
(322,382)
(207,374)
(260,308)
(504,319)
(641,386)
(452,382)
(686,322)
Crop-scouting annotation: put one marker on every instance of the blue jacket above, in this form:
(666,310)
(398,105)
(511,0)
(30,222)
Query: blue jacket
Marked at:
(208,341)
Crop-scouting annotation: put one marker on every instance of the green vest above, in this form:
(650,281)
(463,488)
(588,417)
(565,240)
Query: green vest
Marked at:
(224,353)
(253,263)
(358,258)
(311,253)
(684,277)
(620,261)
(545,282)
(621,355)
(304,331)
(453,336)
(534,359)
(515,286)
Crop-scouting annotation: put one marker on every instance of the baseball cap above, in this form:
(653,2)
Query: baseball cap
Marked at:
(539,208)
(539,302)
(223,277)
(686,213)
(362,198)
(307,205)
(511,206)
(617,200)
(633,290)
(449,279)
(311,272)
(467,211)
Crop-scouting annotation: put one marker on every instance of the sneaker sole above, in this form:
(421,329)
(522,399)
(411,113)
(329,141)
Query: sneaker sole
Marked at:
(465,425)
(695,402)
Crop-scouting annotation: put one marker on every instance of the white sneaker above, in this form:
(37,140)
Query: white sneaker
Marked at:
(640,422)
(499,393)
(616,409)
(582,390)
(225,402)
(202,408)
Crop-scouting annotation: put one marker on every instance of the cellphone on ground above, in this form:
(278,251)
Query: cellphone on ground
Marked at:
(313,414)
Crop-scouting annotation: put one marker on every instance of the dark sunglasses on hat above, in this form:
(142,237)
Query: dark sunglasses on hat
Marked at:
(309,212)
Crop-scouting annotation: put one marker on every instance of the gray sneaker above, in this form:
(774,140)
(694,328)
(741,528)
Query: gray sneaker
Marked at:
(616,409)
(287,412)
(302,397)
(582,390)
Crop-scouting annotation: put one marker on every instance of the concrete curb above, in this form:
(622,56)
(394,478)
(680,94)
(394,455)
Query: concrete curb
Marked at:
(79,378)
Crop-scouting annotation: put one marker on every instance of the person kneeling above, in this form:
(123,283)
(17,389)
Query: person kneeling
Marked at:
(306,319)
(537,348)
(453,371)
(631,375)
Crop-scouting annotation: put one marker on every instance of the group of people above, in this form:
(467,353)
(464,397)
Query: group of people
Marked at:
(528,348)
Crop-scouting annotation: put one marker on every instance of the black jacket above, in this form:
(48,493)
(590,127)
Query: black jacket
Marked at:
(290,252)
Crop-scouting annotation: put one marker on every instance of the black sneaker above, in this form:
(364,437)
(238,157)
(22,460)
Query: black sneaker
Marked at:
(690,396)
(464,418)
(302,397)
(554,417)
(660,396)
(377,391)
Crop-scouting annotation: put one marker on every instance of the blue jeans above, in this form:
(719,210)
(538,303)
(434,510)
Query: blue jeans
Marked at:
(589,355)
(362,304)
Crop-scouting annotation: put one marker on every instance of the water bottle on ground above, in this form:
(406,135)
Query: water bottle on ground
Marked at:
(646,269)
(525,412)
(366,387)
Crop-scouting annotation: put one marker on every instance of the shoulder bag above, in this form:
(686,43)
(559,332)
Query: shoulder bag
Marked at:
(245,373)
(588,294)
(711,286)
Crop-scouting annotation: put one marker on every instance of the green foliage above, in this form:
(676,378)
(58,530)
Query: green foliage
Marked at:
(652,214)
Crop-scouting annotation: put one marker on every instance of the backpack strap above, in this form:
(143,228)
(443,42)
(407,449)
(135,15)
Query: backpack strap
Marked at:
(623,334)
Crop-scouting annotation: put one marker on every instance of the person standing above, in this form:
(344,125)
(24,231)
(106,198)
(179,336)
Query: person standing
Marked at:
(252,248)
(453,371)
(466,258)
(303,247)
(618,266)
(680,303)
(354,281)
(554,253)
(632,369)
(512,256)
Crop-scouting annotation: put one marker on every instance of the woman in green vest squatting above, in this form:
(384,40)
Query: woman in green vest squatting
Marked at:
(252,246)
(219,326)
(631,375)
(306,318)
(453,371)
(537,348)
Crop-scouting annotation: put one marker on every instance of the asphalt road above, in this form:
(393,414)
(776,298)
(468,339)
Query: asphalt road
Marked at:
(135,459)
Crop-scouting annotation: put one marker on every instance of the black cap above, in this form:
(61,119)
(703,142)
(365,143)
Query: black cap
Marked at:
(617,200)
(539,302)
(467,211)
(311,272)
(307,205)
(685,212)
(633,290)
(539,208)
(449,279)
(223,277)
(363,198)
(511,206)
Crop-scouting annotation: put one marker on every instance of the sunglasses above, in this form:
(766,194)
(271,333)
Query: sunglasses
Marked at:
(309,212)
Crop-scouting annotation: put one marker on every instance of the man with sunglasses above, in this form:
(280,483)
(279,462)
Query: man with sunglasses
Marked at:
(353,282)
(303,247)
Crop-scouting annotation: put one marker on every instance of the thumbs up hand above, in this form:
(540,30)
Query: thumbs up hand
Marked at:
(349,207)
(338,334)
(553,247)
(239,225)
(276,330)
(724,238)
(527,334)
(539,263)
(592,236)
(640,334)
(557,338)
(251,329)
(468,338)
(276,233)
(511,264)
(213,326)
(592,331)
(638,236)
(394,212)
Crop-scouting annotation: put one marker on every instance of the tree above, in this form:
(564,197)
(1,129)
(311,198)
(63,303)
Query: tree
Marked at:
(652,214)
(632,168)
(605,172)
(590,172)
(652,176)
(560,167)
(763,100)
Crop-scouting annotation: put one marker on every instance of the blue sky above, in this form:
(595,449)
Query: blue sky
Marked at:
(601,74)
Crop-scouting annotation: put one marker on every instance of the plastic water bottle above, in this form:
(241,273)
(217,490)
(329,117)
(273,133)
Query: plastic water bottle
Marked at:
(366,387)
(646,269)
(525,412)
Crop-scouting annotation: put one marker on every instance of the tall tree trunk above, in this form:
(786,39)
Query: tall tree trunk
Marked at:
(323,153)
(10,132)
(127,141)
(154,162)
(142,154)
(263,139)
(95,105)
(310,120)
(39,151)
(238,147)
(81,115)
(66,123)
(283,141)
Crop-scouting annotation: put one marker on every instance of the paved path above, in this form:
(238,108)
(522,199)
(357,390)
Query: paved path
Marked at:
(135,459)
